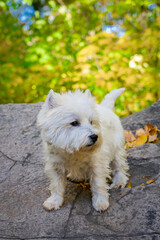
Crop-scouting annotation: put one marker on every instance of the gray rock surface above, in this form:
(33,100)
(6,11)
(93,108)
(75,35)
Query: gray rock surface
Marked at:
(134,213)
(140,119)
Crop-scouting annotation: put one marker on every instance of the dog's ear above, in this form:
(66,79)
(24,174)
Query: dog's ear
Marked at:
(88,93)
(49,103)
(50,100)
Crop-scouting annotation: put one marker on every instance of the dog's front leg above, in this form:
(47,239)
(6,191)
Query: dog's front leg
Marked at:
(56,175)
(100,195)
(119,169)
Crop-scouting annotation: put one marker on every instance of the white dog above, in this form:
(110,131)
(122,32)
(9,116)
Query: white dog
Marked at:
(83,140)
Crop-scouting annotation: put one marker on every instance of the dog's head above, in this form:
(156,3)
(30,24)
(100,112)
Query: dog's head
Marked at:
(70,121)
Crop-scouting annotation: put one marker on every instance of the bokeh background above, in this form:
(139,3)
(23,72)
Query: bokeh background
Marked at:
(64,45)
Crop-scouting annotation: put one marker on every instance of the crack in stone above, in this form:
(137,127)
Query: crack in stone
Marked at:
(73,204)
(95,223)
(85,236)
(112,236)
(8,157)
(18,161)
(19,238)
(125,195)
(12,165)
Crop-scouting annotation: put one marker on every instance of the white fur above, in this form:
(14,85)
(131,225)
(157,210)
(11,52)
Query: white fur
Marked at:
(69,149)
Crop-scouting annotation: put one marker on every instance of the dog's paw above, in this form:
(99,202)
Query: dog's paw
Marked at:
(119,180)
(100,202)
(53,202)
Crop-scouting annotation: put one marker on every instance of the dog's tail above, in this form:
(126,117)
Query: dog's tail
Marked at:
(111,97)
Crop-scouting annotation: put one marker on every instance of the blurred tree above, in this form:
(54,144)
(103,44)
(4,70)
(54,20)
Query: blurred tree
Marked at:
(12,52)
(71,44)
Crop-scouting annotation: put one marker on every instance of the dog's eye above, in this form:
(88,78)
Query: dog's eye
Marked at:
(75,123)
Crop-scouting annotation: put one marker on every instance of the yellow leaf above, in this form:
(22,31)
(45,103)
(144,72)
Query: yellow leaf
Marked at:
(85,186)
(150,181)
(156,128)
(129,185)
(141,140)
(130,144)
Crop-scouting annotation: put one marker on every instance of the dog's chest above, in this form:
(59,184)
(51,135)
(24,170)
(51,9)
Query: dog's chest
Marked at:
(78,166)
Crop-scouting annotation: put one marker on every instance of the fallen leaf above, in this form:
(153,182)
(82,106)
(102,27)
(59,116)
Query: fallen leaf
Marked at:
(141,140)
(109,181)
(152,135)
(140,132)
(156,140)
(130,144)
(152,138)
(148,127)
(129,175)
(129,137)
(156,128)
(129,185)
(142,184)
(85,186)
(150,181)
(146,176)
(147,135)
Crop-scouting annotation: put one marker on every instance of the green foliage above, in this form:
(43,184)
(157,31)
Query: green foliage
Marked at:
(67,49)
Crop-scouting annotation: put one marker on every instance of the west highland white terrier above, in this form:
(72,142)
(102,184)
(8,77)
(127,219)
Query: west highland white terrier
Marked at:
(83,140)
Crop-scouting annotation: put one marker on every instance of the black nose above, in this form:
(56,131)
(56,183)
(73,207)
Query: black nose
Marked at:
(94,138)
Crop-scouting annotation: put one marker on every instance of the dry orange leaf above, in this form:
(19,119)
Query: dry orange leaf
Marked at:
(156,140)
(140,132)
(152,135)
(148,127)
(85,186)
(146,176)
(129,137)
(150,181)
(152,138)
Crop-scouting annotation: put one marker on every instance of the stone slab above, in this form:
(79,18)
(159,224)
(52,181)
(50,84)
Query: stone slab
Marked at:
(134,213)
